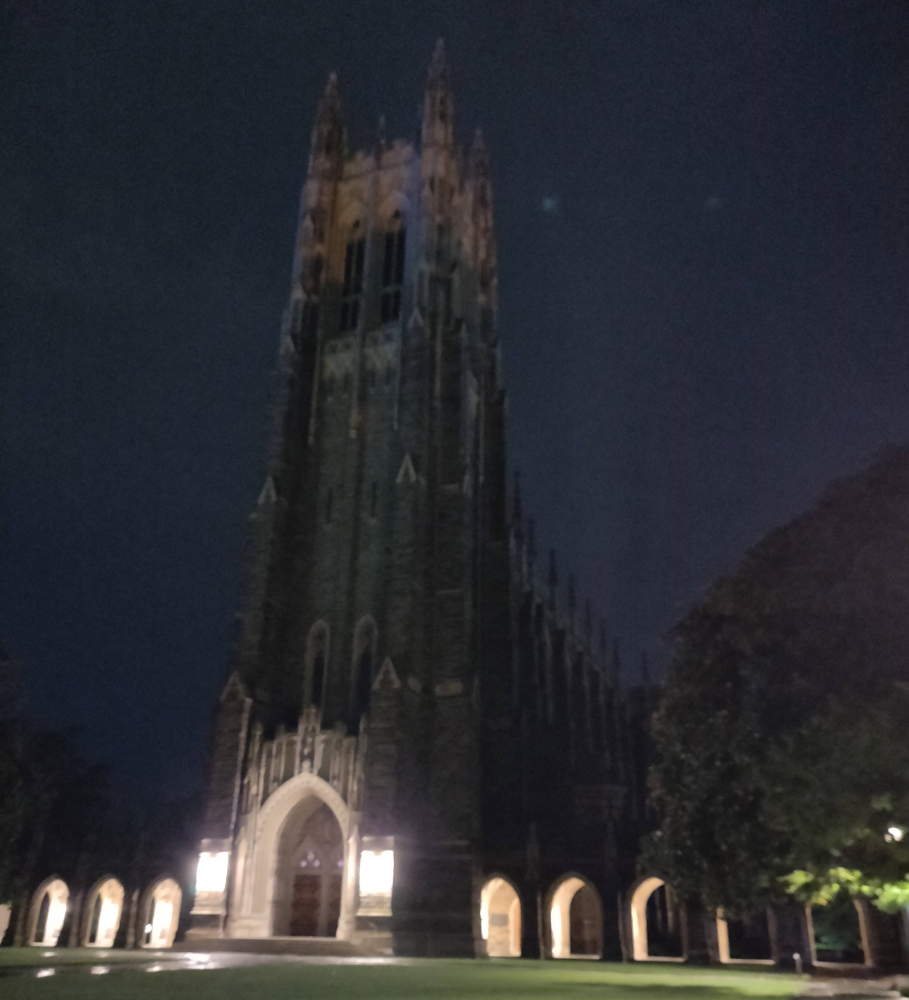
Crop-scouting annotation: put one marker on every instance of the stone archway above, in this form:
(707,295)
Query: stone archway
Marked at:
(161,914)
(838,932)
(47,912)
(745,938)
(500,918)
(265,899)
(102,913)
(656,932)
(575,918)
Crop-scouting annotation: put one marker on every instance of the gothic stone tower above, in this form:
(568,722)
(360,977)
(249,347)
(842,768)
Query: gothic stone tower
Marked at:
(345,785)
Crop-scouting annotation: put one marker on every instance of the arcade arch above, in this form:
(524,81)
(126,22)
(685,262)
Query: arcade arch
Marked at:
(161,914)
(48,911)
(500,918)
(575,919)
(744,939)
(104,909)
(656,933)
(838,932)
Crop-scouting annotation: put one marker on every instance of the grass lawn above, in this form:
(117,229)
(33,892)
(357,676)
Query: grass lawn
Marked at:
(414,980)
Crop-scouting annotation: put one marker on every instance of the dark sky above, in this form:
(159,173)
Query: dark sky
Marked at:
(703,224)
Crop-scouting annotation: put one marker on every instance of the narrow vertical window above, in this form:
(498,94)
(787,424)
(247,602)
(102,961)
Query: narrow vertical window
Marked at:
(352,289)
(393,270)
(363,669)
(316,660)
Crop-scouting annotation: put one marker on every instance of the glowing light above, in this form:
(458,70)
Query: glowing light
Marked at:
(211,874)
(161,919)
(108,920)
(377,875)
(555,922)
(894,833)
(43,973)
(100,970)
(56,914)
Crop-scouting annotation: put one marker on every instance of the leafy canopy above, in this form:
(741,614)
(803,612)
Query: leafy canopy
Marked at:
(782,757)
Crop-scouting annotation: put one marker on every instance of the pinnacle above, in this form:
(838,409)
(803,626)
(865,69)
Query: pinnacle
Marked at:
(438,68)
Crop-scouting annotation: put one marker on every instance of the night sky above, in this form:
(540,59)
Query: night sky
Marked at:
(703,224)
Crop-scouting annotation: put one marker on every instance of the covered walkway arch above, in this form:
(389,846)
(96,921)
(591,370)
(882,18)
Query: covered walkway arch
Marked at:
(575,918)
(656,933)
(160,913)
(104,908)
(47,912)
(500,918)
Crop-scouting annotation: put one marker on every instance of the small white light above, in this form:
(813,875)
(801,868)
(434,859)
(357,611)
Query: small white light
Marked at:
(43,973)
(148,928)
(211,873)
(47,954)
(153,968)
(893,833)
(100,970)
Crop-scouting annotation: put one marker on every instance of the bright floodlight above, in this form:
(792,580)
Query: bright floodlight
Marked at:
(377,875)
(895,833)
(211,875)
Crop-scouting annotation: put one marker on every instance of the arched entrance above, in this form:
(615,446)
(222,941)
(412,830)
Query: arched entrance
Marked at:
(656,931)
(745,938)
(291,825)
(310,864)
(161,914)
(838,932)
(48,911)
(500,918)
(575,919)
(105,906)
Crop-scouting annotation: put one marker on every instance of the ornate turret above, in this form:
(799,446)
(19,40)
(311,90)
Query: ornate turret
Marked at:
(438,107)
(327,149)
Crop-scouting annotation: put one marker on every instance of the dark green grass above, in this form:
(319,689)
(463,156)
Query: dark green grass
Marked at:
(410,980)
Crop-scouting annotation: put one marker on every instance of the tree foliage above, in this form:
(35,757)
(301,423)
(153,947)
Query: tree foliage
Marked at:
(782,757)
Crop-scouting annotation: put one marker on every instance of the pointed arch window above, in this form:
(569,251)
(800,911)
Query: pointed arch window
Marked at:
(393,269)
(363,668)
(352,289)
(316,663)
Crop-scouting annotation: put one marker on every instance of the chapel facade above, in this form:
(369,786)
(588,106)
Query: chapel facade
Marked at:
(421,749)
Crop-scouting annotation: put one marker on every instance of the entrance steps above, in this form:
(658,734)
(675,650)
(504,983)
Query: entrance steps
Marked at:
(331,947)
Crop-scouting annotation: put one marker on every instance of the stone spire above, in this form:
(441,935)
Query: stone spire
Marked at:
(328,131)
(438,107)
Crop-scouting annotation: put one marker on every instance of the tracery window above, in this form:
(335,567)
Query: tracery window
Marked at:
(393,270)
(352,289)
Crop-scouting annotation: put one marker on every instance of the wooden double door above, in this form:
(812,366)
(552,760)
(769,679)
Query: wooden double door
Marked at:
(316,905)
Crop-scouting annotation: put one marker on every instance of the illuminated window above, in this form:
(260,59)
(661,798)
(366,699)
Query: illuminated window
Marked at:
(352,289)
(211,873)
(393,271)
(377,875)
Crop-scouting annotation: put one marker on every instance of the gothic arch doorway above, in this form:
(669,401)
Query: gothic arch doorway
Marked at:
(309,873)
(575,919)
(744,938)
(656,927)
(500,918)
(265,897)
(48,911)
(160,914)
(105,906)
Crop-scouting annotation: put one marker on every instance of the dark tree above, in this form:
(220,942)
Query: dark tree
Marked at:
(782,757)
